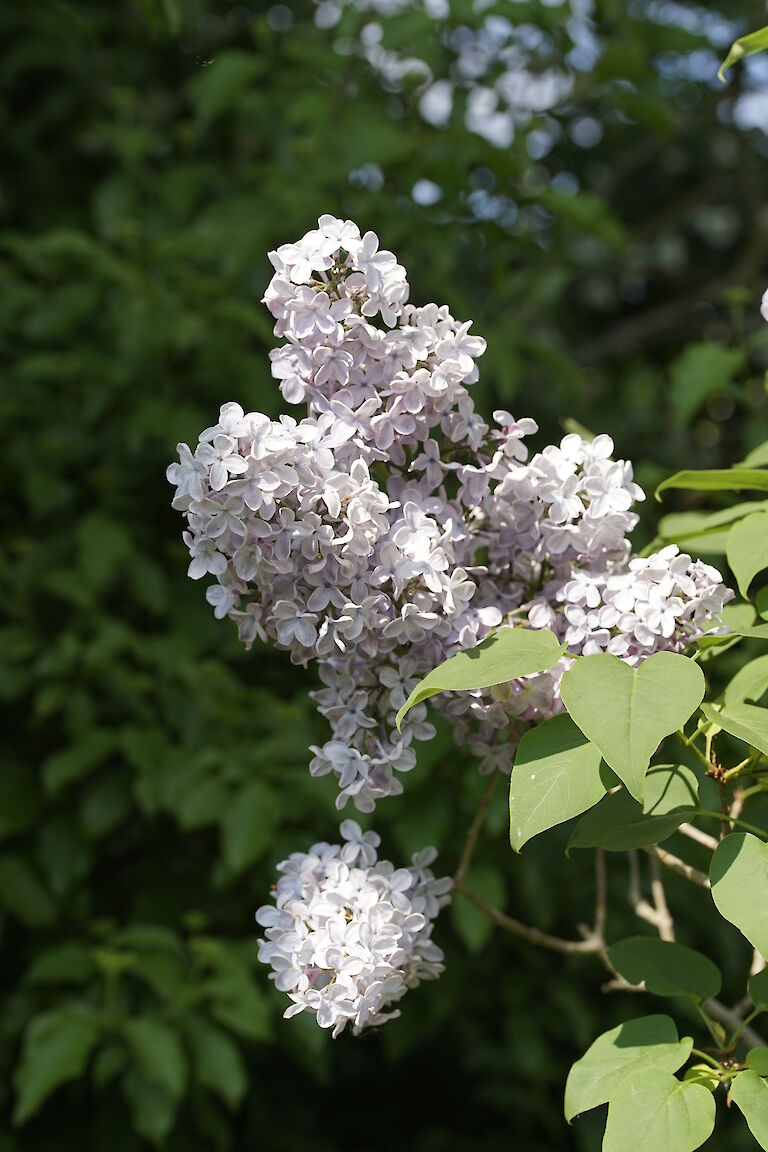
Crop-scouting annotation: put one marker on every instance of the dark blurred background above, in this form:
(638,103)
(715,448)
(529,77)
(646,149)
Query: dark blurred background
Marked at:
(606,227)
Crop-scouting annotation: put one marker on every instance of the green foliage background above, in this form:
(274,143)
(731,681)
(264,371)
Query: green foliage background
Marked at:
(153,772)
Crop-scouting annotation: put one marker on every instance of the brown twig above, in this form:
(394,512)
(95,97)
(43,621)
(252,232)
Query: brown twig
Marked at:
(590,946)
(665,924)
(694,833)
(474,831)
(642,909)
(675,864)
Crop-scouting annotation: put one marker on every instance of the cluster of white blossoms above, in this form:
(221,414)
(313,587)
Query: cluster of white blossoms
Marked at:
(391,527)
(348,934)
(385,531)
(658,603)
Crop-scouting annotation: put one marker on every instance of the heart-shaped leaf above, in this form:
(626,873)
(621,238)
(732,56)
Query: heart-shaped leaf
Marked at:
(650,1041)
(556,776)
(626,712)
(507,655)
(653,1111)
(747,549)
(739,877)
(667,969)
(750,1092)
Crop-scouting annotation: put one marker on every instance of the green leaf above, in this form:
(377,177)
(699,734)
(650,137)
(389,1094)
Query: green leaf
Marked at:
(747,548)
(19,800)
(248,827)
(758,988)
(699,371)
(619,824)
(74,762)
(22,894)
(652,1111)
(744,46)
(472,925)
(217,1060)
(706,533)
(236,1001)
(670,788)
(158,1053)
(56,1049)
(667,969)
(153,1108)
(703,1074)
(717,480)
(626,712)
(757,458)
(757,1058)
(556,776)
(62,964)
(761,602)
(746,722)
(759,632)
(506,655)
(739,878)
(647,1042)
(749,683)
(737,618)
(220,86)
(750,1092)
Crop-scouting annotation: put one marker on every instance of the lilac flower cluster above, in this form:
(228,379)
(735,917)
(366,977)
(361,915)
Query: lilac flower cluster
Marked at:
(386,530)
(391,527)
(348,935)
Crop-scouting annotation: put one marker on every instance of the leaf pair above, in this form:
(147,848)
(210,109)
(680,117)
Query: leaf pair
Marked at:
(649,1110)
(617,714)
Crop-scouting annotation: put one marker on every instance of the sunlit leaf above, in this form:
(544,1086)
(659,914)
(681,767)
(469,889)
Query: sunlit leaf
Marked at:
(626,712)
(556,776)
(506,655)
(747,549)
(744,46)
(717,480)
(749,1091)
(647,1042)
(652,1111)
(746,722)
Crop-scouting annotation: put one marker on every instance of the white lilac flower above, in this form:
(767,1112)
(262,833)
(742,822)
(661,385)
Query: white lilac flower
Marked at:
(349,934)
(390,527)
